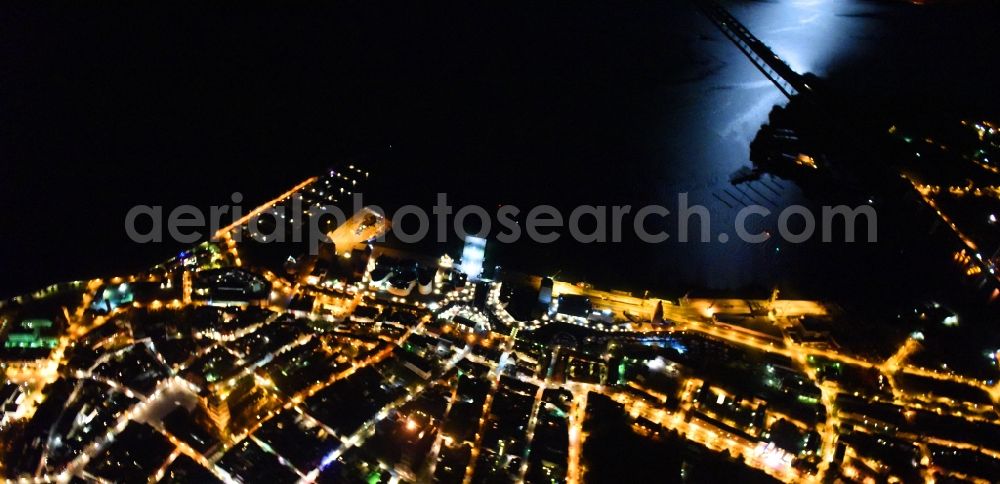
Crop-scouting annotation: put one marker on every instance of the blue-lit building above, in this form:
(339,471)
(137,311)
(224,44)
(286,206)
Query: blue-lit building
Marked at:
(472,257)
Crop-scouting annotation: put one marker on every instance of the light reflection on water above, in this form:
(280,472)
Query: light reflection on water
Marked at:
(809,35)
(723,115)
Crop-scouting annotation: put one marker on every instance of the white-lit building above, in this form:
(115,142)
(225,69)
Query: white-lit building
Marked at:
(472,257)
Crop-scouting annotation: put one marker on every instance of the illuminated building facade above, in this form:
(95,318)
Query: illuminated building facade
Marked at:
(472,257)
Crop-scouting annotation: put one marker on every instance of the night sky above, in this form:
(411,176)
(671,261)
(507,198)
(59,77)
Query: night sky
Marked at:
(494,103)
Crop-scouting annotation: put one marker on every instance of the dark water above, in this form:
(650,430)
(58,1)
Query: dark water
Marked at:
(520,104)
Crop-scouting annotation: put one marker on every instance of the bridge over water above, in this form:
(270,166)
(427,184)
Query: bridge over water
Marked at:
(789,82)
